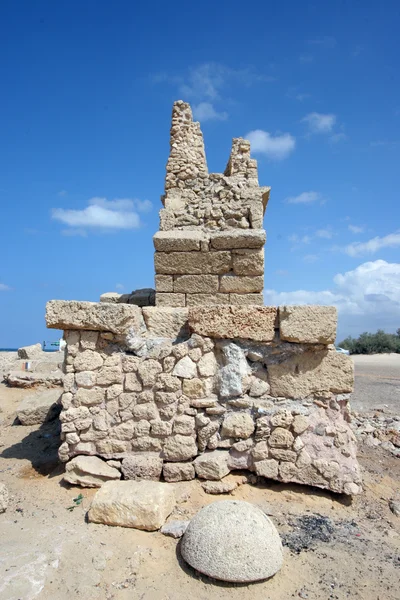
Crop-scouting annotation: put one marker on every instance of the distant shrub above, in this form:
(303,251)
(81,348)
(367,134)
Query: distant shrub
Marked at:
(373,343)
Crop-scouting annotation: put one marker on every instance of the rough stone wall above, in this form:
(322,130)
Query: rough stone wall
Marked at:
(209,249)
(207,390)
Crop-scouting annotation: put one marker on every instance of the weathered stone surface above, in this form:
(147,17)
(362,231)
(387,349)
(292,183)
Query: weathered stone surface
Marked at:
(167,299)
(237,425)
(184,425)
(312,372)
(207,365)
(165,322)
(225,486)
(116,318)
(238,238)
(88,360)
(248,262)
(148,371)
(232,374)
(111,297)
(174,472)
(212,465)
(232,541)
(164,283)
(90,397)
(308,324)
(138,504)
(30,352)
(267,468)
(174,529)
(196,284)
(146,465)
(241,285)
(89,471)
(178,241)
(193,263)
(194,388)
(4,498)
(178,448)
(39,407)
(281,438)
(206,299)
(253,323)
(185,368)
(246,299)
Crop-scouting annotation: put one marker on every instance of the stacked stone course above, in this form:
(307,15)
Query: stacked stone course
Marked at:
(209,249)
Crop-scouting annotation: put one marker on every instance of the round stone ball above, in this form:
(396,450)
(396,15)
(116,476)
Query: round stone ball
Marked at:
(232,541)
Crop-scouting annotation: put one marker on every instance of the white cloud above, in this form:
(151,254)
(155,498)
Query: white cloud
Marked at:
(338,137)
(326,233)
(320,123)
(103,215)
(297,239)
(367,297)
(4,287)
(356,228)
(205,111)
(119,286)
(327,41)
(304,198)
(310,258)
(373,245)
(276,147)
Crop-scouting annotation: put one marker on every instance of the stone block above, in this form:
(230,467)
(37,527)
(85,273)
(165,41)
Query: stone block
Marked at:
(196,284)
(248,262)
(166,322)
(179,448)
(30,352)
(212,465)
(89,471)
(164,283)
(241,285)
(237,425)
(312,373)
(238,238)
(39,407)
(111,297)
(174,472)
(254,323)
(146,465)
(139,504)
(267,468)
(94,316)
(193,263)
(206,299)
(164,299)
(308,324)
(88,360)
(246,299)
(176,240)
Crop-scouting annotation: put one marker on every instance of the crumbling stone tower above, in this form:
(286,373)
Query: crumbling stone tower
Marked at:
(209,249)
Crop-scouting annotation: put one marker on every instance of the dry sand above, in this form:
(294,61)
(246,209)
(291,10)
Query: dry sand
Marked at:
(50,553)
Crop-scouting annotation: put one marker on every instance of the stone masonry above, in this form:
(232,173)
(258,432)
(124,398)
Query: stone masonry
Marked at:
(209,380)
(210,247)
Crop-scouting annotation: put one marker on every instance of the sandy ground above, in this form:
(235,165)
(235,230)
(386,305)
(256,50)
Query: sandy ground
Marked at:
(377,383)
(336,549)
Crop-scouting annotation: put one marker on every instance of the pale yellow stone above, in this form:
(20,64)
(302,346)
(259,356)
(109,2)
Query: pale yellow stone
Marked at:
(164,283)
(164,299)
(238,238)
(253,322)
(176,240)
(206,299)
(308,324)
(193,263)
(196,284)
(248,262)
(241,285)
(246,299)
(165,322)
(194,388)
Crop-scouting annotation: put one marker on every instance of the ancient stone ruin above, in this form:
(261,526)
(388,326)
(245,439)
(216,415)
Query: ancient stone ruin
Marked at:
(208,381)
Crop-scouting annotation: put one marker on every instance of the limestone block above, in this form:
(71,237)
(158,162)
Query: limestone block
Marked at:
(165,322)
(164,299)
(185,368)
(139,504)
(148,371)
(116,318)
(207,365)
(111,297)
(241,285)
(240,460)
(89,471)
(132,383)
(109,375)
(146,465)
(267,468)
(184,425)
(196,284)
(88,360)
(253,323)
(246,299)
(178,448)
(176,240)
(168,383)
(194,388)
(89,339)
(164,283)
(312,372)
(236,369)
(161,428)
(238,238)
(85,379)
(281,438)
(300,424)
(89,397)
(248,262)
(193,263)
(30,352)
(212,465)
(146,411)
(174,472)
(308,324)
(39,407)
(206,299)
(237,425)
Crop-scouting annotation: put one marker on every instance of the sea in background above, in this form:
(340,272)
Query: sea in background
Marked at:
(16,350)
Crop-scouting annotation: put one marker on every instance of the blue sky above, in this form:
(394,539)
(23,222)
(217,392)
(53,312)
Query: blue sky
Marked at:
(87,92)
